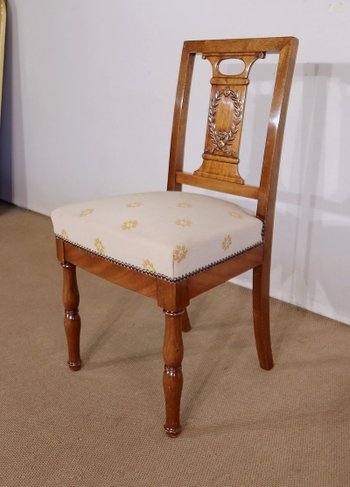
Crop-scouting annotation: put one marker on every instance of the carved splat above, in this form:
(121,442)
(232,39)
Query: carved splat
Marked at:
(225,118)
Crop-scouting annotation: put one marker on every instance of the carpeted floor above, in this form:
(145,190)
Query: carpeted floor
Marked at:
(102,426)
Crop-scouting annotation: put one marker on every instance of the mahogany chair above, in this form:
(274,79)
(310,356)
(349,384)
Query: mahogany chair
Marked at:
(173,245)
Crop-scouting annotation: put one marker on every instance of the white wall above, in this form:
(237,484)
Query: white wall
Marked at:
(88,101)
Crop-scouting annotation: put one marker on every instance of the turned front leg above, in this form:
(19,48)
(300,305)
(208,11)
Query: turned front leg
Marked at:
(172,377)
(71,314)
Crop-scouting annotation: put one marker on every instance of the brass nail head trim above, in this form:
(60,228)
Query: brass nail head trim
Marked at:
(71,314)
(174,313)
(74,365)
(172,432)
(172,371)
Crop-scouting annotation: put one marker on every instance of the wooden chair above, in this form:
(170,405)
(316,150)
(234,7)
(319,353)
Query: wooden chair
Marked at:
(173,246)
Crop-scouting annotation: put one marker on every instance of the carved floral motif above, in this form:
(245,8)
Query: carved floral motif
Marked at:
(223,139)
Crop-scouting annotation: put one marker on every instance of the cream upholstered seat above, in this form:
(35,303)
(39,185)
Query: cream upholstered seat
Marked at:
(166,234)
(173,246)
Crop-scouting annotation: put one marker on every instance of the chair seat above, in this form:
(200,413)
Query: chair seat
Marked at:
(168,234)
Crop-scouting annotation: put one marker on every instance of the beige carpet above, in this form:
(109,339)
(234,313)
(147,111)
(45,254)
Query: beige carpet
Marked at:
(102,426)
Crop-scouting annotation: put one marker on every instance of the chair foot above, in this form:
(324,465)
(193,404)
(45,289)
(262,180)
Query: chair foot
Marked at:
(74,365)
(266,364)
(71,317)
(172,432)
(172,376)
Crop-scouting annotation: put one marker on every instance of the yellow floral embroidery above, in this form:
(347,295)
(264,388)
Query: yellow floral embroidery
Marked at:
(129,224)
(147,264)
(183,223)
(226,242)
(87,212)
(184,205)
(134,204)
(99,246)
(235,214)
(64,233)
(180,253)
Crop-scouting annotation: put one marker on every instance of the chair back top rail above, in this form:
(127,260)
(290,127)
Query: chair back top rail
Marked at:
(220,167)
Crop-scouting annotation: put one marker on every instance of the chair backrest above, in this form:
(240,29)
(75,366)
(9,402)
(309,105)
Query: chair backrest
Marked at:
(220,167)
